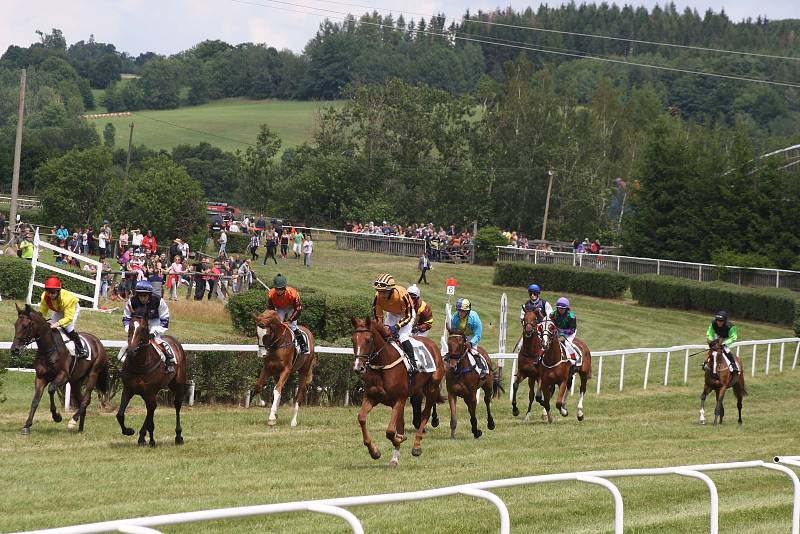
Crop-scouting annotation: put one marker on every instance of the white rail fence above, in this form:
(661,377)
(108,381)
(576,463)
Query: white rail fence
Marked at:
(703,272)
(482,490)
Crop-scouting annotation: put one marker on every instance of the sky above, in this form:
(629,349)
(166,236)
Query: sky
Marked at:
(169,26)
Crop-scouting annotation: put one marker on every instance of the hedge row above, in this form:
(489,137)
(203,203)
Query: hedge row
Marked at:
(562,278)
(238,243)
(15,274)
(764,304)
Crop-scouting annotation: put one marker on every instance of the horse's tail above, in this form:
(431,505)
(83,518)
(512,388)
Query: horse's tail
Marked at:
(103,380)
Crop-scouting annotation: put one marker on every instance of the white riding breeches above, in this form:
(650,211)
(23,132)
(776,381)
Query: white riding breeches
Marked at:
(283,313)
(405,331)
(57,316)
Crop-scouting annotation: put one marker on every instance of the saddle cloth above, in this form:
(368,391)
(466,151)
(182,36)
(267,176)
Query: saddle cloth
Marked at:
(262,351)
(475,357)
(574,354)
(422,355)
(71,346)
(163,349)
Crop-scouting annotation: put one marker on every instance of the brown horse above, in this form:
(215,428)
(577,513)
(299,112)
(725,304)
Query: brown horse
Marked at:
(719,379)
(55,366)
(556,371)
(387,382)
(276,345)
(463,381)
(144,374)
(528,361)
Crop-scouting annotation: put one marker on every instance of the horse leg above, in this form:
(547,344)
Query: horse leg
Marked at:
(547,392)
(515,387)
(60,379)
(531,396)
(401,427)
(416,409)
(488,388)
(392,435)
(88,388)
(452,400)
(584,379)
(561,401)
(737,390)
(366,406)
(301,393)
(40,383)
(703,396)
(718,409)
(431,397)
(149,422)
(276,395)
(434,417)
(472,404)
(178,391)
(123,405)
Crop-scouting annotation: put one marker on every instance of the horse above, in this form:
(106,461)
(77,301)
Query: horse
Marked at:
(556,370)
(464,381)
(55,366)
(718,379)
(276,345)
(144,374)
(386,382)
(528,361)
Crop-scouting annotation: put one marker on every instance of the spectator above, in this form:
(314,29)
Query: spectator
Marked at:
(284,243)
(136,238)
(245,275)
(271,239)
(156,278)
(62,234)
(91,238)
(213,279)
(254,244)
(174,249)
(26,247)
(149,242)
(308,248)
(424,266)
(123,240)
(297,246)
(223,244)
(174,279)
(102,242)
(183,246)
(201,270)
(85,242)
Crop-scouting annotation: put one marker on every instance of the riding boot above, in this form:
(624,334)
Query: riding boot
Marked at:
(80,351)
(301,340)
(732,361)
(169,358)
(412,362)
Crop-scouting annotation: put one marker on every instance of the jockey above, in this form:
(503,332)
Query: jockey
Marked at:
(537,304)
(286,301)
(469,322)
(724,330)
(395,301)
(567,326)
(424,320)
(65,308)
(154,309)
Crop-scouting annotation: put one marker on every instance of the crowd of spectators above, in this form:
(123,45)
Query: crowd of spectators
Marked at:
(441,245)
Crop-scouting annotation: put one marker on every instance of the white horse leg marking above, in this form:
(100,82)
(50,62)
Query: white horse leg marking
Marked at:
(702,416)
(273,413)
(395,457)
(294,415)
(580,405)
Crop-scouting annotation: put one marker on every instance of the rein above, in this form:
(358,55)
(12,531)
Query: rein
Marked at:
(553,338)
(131,368)
(279,337)
(368,358)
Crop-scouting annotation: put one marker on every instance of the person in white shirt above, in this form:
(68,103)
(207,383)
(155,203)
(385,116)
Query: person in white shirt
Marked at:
(308,248)
(223,244)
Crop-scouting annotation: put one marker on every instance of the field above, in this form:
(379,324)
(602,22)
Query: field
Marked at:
(230,123)
(232,458)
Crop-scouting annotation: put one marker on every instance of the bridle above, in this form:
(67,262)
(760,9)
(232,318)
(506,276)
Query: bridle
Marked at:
(372,354)
(146,340)
(551,336)
(276,338)
(30,338)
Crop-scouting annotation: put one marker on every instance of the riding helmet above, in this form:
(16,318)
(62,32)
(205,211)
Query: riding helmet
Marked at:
(279,282)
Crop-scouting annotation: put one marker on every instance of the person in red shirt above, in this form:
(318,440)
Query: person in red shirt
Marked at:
(149,242)
(286,301)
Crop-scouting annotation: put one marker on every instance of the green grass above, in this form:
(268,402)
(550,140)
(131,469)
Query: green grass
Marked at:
(230,123)
(231,458)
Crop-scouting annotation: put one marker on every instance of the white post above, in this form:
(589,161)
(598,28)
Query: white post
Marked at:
(247,399)
(666,370)
(753,371)
(658,266)
(503,328)
(780,366)
(646,371)
(191,393)
(796,351)
(600,372)
(777,279)
(67,396)
(618,261)
(700,273)
(686,368)
(621,371)
(34,260)
(766,368)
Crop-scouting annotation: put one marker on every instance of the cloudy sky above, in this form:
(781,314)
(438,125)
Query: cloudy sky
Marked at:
(168,26)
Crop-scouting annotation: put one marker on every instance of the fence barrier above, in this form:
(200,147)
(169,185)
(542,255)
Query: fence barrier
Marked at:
(703,272)
(336,506)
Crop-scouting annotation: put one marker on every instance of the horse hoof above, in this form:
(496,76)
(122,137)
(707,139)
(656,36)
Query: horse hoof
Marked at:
(580,417)
(528,416)
(178,440)
(490,424)
(57,417)
(272,422)
(702,421)
(564,413)
(152,444)
(435,423)
(515,411)
(477,434)
(393,464)
(26,430)
(416,451)
(293,423)
(71,424)
(127,432)
(142,443)
(375,455)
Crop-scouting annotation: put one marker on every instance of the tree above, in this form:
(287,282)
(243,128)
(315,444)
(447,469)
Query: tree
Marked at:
(217,171)
(259,170)
(108,135)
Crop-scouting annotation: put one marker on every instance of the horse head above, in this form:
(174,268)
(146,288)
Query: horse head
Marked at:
(548,333)
(367,342)
(268,324)
(28,328)
(529,321)
(714,348)
(456,348)
(138,335)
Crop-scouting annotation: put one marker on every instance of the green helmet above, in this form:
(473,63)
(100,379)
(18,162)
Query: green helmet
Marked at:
(279,282)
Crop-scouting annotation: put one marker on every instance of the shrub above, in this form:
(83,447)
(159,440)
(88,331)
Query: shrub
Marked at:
(486,239)
(15,274)
(764,304)
(238,243)
(242,305)
(223,376)
(562,278)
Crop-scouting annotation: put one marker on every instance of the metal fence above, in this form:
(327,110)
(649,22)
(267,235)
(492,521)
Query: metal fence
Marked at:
(338,507)
(703,272)
(404,246)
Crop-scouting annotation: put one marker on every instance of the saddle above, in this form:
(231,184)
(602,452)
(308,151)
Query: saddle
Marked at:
(70,346)
(163,349)
(422,355)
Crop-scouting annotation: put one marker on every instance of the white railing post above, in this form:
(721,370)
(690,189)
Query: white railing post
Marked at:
(780,365)
(621,371)
(666,369)
(505,518)
(600,372)
(766,367)
(795,492)
(618,505)
(712,489)
(686,368)
(796,352)
(646,371)
(753,370)
(699,273)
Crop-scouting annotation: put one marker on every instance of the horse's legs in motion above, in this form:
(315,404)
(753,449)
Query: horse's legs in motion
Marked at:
(718,410)
(531,396)
(517,379)
(123,405)
(472,403)
(366,406)
(431,396)
(88,388)
(401,428)
(452,400)
(37,396)
(391,431)
(178,391)
(148,425)
(703,396)
(416,409)
(737,390)
(561,401)
(276,395)
(584,379)
(434,417)
(305,375)
(58,381)
(546,393)
(488,389)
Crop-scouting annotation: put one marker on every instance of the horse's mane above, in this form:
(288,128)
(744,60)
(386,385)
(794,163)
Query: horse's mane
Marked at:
(32,313)
(267,318)
(456,332)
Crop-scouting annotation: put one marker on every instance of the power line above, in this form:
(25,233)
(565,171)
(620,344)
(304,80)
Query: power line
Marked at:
(527,46)
(238,141)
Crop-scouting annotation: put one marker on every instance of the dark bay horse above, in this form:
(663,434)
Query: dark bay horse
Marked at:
(528,361)
(463,381)
(55,366)
(144,374)
(555,371)
(276,345)
(386,382)
(719,379)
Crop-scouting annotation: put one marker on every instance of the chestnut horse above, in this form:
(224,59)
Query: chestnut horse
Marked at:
(464,380)
(276,346)
(556,371)
(719,379)
(528,362)
(386,381)
(55,366)
(144,374)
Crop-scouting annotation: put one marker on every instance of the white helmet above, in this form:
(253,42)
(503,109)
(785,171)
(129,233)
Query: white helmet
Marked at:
(413,290)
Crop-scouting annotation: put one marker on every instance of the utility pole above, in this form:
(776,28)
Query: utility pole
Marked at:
(130,143)
(17,153)
(547,204)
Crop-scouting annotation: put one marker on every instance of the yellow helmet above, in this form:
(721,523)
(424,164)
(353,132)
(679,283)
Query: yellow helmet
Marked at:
(384,282)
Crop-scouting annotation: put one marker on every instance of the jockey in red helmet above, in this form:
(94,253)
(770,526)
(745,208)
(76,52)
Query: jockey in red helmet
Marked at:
(65,310)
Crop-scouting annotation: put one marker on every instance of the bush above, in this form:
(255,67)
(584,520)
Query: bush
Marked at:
(766,304)
(486,241)
(562,278)
(223,376)
(15,274)
(238,243)
(242,305)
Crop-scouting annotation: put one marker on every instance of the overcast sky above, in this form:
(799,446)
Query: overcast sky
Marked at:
(168,26)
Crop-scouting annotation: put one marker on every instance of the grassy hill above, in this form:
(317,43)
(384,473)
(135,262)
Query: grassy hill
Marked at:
(229,123)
